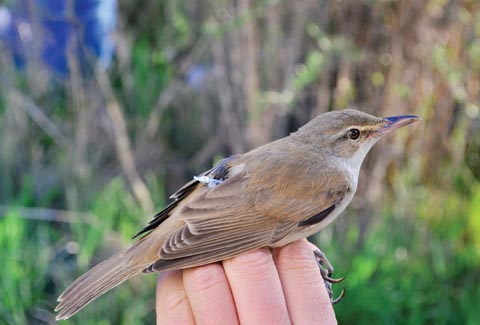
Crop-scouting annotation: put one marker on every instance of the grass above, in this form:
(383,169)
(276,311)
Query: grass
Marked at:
(43,258)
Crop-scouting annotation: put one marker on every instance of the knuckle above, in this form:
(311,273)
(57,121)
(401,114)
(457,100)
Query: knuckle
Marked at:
(175,299)
(252,264)
(254,259)
(297,255)
(205,277)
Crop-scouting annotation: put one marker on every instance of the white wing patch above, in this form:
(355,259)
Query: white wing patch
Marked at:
(211,182)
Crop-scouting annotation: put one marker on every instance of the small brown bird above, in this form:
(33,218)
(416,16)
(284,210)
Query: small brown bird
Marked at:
(273,195)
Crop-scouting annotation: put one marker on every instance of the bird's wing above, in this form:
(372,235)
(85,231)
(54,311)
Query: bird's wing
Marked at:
(235,216)
(219,172)
(165,213)
(219,223)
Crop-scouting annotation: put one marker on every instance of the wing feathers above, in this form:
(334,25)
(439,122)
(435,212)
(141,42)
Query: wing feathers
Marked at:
(317,218)
(231,249)
(201,243)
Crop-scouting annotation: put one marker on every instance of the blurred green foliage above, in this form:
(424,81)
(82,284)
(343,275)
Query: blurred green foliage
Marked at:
(39,257)
(412,270)
(410,251)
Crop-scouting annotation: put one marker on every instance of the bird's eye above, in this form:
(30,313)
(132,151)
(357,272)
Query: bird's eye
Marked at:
(353,134)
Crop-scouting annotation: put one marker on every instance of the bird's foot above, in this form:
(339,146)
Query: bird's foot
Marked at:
(326,270)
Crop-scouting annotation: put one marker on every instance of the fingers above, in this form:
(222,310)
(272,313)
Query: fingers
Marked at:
(256,288)
(172,303)
(209,295)
(195,296)
(305,293)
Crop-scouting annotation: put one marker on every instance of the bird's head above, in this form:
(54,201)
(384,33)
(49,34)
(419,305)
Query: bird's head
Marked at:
(349,134)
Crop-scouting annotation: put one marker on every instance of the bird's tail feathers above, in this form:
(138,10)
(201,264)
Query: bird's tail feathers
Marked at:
(94,283)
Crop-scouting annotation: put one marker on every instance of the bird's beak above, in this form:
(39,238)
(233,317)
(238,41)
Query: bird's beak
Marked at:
(392,123)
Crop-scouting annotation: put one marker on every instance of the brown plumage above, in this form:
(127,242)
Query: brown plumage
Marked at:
(275,194)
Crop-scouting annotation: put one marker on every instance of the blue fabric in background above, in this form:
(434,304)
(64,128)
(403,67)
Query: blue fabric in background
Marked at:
(83,28)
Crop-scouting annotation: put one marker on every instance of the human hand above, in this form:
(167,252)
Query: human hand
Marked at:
(258,287)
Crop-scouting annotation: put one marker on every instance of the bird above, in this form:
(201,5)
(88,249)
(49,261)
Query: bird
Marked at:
(275,194)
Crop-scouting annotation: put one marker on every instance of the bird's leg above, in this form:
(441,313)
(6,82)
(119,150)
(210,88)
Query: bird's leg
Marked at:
(326,270)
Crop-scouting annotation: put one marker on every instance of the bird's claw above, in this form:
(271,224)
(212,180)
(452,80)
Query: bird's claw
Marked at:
(339,298)
(326,270)
(334,280)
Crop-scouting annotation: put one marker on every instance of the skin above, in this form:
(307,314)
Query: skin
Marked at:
(282,286)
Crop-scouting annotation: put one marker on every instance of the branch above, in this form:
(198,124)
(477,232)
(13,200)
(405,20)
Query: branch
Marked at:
(37,115)
(122,143)
(50,215)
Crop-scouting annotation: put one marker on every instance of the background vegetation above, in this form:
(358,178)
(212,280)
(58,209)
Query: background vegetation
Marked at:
(87,157)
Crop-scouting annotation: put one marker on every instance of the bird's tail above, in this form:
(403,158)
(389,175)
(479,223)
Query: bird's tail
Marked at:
(103,277)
